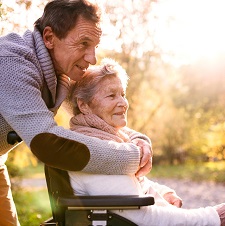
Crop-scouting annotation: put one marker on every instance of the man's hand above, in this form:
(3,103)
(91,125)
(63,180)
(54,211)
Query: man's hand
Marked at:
(145,157)
(173,199)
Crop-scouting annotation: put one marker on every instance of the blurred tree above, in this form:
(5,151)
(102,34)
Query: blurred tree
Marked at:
(204,101)
(179,108)
(150,78)
(216,142)
(12,20)
(176,107)
(136,51)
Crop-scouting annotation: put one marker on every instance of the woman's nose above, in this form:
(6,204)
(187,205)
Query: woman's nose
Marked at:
(123,102)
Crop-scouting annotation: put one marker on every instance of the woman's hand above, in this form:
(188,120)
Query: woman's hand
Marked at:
(221,212)
(146,154)
(173,199)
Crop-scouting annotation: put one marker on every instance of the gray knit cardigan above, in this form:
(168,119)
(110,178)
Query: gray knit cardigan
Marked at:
(30,95)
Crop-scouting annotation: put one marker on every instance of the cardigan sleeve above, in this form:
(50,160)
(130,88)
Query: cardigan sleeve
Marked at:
(134,134)
(22,107)
(147,186)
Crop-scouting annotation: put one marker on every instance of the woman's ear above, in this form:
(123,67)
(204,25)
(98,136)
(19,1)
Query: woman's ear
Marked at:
(48,37)
(83,107)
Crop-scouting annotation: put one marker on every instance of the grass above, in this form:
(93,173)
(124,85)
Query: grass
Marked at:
(33,207)
(209,171)
(33,171)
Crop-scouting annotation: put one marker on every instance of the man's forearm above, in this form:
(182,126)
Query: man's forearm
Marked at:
(95,156)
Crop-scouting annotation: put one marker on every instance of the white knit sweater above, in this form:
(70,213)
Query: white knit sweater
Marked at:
(31,93)
(159,214)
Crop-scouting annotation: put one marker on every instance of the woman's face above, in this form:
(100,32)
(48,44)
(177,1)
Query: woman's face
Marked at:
(110,103)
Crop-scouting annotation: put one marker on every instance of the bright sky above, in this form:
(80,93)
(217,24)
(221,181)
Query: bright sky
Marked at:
(20,16)
(196,30)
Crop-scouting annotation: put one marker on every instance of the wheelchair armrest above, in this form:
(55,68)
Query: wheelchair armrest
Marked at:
(106,202)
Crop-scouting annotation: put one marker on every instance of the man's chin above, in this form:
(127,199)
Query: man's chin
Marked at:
(76,77)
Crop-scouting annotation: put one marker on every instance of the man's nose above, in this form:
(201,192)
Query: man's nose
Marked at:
(90,57)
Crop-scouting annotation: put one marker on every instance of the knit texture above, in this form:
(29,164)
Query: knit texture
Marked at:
(161,213)
(30,95)
(94,126)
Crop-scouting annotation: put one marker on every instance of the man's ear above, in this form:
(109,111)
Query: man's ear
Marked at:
(48,37)
(83,106)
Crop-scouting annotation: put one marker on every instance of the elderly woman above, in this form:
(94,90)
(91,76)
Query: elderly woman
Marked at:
(100,110)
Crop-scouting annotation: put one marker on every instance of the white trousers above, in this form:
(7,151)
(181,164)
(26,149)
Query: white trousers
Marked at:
(160,214)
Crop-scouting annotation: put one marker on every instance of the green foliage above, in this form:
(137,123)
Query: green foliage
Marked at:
(32,206)
(1,10)
(179,108)
(208,171)
(20,158)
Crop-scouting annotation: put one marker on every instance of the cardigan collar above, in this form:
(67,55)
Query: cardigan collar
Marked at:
(45,63)
(57,85)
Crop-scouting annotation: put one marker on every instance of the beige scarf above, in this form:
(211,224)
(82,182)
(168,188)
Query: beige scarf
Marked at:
(94,126)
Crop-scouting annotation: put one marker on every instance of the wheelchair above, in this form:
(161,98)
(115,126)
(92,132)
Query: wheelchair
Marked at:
(69,209)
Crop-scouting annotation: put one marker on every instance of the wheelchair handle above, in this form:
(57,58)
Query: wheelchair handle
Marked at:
(13,137)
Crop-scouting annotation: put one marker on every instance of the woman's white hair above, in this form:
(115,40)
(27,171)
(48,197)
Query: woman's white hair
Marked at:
(86,88)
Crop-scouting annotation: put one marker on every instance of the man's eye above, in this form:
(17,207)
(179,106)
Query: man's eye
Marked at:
(84,43)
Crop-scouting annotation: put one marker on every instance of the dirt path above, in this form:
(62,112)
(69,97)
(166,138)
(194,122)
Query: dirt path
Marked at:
(194,194)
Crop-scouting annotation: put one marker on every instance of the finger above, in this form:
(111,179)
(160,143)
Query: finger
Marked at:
(144,170)
(135,141)
(178,203)
(148,148)
(146,156)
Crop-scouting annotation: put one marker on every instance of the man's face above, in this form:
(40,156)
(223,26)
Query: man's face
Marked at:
(110,103)
(73,54)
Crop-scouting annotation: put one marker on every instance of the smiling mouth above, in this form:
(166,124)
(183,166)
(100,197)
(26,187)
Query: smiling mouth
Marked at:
(82,68)
(120,113)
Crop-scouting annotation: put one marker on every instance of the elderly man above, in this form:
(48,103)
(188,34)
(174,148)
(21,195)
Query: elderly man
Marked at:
(36,70)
